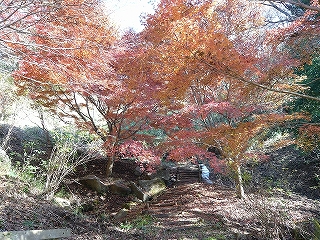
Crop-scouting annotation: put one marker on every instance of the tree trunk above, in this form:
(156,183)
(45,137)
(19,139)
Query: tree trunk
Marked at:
(239,183)
(111,159)
(110,165)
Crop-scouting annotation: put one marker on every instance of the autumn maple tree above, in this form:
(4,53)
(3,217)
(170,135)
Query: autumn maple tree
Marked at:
(18,21)
(203,73)
(213,78)
(70,69)
(300,36)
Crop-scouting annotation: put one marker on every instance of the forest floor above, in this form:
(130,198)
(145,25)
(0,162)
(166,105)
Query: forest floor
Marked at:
(186,211)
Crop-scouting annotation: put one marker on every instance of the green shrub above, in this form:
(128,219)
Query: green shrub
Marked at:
(139,223)
(246,177)
(65,156)
(142,221)
(217,237)
(71,134)
(37,142)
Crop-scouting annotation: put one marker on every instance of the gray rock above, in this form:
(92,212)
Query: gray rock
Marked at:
(120,188)
(153,187)
(123,213)
(139,192)
(138,171)
(62,202)
(93,183)
(163,173)
(129,205)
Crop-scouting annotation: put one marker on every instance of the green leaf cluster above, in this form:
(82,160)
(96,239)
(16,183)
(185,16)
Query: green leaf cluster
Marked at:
(311,80)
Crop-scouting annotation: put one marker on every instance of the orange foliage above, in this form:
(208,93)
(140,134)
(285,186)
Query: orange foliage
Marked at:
(192,72)
(301,35)
(196,55)
(70,52)
(70,69)
(309,137)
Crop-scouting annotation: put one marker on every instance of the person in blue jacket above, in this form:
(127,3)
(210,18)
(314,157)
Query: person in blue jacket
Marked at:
(205,173)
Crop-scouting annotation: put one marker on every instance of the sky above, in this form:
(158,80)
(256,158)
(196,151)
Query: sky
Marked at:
(126,13)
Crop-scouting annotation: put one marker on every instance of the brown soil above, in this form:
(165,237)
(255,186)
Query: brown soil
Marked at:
(186,211)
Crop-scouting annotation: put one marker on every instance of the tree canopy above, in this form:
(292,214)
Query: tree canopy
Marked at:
(203,73)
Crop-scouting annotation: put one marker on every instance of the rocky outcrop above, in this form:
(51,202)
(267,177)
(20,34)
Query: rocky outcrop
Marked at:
(148,189)
(138,171)
(143,190)
(163,173)
(139,192)
(120,187)
(93,183)
(62,202)
(153,187)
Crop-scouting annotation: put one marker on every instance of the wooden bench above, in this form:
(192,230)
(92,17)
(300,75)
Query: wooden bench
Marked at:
(36,234)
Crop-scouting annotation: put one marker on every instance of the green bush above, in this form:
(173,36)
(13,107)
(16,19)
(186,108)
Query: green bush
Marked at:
(37,141)
(217,237)
(309,73)
(65,156)
(139,223)
(71,134)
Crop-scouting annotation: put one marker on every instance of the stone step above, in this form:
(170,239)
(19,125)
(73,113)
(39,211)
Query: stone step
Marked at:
(36,234)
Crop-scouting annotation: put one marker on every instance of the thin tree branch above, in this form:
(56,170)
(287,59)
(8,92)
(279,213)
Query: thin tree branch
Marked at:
(297,3)
(232,74)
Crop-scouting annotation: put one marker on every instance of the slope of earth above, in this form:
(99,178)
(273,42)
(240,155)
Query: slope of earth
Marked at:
(199,211)
(188,211)
(290,170)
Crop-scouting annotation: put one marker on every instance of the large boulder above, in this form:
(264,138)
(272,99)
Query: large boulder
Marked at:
(138,171)
(139,192)
(130,205)
(62,202)
(120,188)
(163,173)
(121,215)
(93,183)
(153,187)
(148,189)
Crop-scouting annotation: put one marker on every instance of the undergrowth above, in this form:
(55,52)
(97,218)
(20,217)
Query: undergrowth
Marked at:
(138,223)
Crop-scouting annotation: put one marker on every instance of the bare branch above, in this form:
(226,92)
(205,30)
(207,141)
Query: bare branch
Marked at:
(297,3)
(234,75)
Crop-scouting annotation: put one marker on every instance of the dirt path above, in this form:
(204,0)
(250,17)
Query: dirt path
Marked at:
(188,211)
(199,211)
